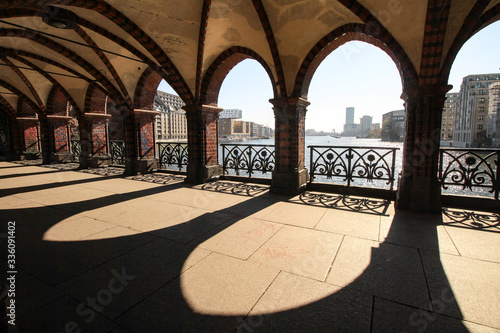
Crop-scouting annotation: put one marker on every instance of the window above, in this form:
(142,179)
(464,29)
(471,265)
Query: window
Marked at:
(481,92)
(480,127)
(485,78)
(477,85)
(480,118)
(487,84)
(480,109)
(481,100)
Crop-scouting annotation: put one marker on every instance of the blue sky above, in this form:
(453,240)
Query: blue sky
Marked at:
(357,74)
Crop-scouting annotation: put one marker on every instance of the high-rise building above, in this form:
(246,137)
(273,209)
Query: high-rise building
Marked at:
(349,115)
(493,130)
(448,117)
(471,116)
(365,124)
(171,122)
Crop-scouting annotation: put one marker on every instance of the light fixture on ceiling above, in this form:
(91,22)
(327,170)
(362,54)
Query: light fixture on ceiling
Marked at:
(59,18)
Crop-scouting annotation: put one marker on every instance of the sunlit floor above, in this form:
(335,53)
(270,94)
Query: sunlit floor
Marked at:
(102,253)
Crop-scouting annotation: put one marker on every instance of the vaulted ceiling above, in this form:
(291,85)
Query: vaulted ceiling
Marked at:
(75,44)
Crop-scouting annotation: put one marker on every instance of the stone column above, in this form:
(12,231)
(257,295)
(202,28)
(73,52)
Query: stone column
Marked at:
(30,137)
(59,138)
(140,142)
(15,132)
(203,144)
(290,175)
(419,187)
(96,140)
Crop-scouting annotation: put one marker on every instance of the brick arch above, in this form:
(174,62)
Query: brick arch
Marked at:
(7,107)
(353,32)
(221,66)
(58,102)
(474,23)
(146,89)
(95,99)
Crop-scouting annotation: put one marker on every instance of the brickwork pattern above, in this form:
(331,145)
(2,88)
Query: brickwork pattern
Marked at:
(146,90)
(31,138)
(57,103)
(99,130)
(60,138)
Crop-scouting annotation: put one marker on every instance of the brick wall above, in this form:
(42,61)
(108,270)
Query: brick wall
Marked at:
(146,90)
(61,140)
(99,136)
(57,103)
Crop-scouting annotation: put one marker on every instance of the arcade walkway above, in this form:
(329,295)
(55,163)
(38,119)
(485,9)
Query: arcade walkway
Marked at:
(104,253)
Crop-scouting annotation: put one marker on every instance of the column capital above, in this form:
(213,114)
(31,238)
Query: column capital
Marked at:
(99,116)
(55,118)
(287,101)
(27,119)
(437,90)
(193,108)
(141,112)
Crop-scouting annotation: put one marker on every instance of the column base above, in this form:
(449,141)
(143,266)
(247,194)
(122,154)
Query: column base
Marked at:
(30,156)
(62,157)
(420,200)
(203,173)
(94,161)
(134,167)
(289,183)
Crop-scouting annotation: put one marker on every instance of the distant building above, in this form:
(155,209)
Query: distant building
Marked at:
(448,117)
(365,125)
(171,122)
(473,111)
(231,113)
(350,128)
(393,125)
(493,130)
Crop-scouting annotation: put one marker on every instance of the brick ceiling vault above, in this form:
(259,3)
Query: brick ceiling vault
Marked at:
(71,45)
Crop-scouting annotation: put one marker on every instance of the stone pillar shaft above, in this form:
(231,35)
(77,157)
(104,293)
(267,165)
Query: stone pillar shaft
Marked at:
(290,175)
(419,187)
(203,148)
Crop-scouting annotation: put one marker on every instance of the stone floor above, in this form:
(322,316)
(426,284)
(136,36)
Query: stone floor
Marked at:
(98,252)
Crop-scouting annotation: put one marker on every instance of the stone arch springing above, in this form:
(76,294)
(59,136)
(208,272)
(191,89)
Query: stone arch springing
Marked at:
(347,33)
(217,72)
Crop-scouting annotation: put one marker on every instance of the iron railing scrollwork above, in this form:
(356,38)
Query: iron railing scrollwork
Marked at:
(173,154)
(253,159)
(351,163)
(117,150)
(76,149)
(474,170)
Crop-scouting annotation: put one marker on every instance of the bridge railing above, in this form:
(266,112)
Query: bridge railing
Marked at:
(252,160)
(353,166)
(173,155)
(117,152)
(473,171)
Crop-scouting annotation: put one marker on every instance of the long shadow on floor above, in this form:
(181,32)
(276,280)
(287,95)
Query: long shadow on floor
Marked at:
(134,281)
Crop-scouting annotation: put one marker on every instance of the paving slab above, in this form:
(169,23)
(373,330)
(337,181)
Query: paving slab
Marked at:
(301,251)
(214,295)
(356,224)
(145,270)
(240,239)
(394,317)
(466,286)
(389,271)
(297,304)
(297,214)
(478,244)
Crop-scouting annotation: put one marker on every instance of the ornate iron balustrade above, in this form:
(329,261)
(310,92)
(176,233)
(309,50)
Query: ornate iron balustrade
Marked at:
(374,164)
(173,154)
(76,149)
(117,149)
(470,169)
(251,159)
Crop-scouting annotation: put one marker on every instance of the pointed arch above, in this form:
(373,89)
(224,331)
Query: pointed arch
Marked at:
(222,65)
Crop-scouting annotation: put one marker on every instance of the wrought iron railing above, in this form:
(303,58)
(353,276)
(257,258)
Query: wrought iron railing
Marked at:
(76,149)
(117,150)
(376,165)
(255,160)
(475,170)
(173,155)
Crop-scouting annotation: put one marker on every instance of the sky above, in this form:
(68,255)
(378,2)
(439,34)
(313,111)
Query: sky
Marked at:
(356,74)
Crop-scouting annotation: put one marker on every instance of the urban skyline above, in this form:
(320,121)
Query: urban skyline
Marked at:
(356,74)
